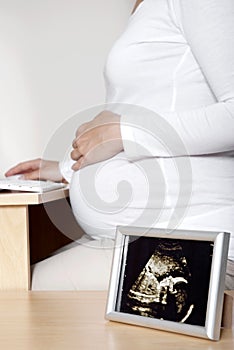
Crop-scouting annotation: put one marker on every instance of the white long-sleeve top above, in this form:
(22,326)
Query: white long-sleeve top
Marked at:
(176,59)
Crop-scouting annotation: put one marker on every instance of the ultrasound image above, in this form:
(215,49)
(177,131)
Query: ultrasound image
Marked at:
(166,282)
(164,279)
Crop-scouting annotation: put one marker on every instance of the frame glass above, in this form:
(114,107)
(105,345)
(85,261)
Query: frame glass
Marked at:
(171,281)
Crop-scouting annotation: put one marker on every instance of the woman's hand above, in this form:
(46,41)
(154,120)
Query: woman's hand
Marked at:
(37,169)
(97,140)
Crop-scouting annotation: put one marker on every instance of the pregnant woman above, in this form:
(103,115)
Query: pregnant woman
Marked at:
(169,109)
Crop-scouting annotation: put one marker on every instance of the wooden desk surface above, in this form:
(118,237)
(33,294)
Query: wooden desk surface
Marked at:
(75,320)
(28,198)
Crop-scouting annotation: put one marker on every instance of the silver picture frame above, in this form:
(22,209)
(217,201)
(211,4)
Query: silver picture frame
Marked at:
(172,281)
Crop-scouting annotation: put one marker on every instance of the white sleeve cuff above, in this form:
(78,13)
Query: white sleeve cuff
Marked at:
(65,168)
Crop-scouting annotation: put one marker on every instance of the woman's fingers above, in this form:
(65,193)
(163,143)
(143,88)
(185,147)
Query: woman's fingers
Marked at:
(24,167)
(37,169)
(97,140)
(75,154)
(82,162)
(33,175)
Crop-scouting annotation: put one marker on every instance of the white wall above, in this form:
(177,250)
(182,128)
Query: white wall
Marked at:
(52,54)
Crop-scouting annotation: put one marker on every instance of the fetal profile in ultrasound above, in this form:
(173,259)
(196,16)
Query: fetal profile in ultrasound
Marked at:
(167,279)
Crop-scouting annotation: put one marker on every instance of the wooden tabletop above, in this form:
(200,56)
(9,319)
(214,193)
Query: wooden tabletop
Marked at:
(75,320)
(28,198)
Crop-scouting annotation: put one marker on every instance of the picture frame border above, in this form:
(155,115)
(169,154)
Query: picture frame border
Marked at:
(212,327)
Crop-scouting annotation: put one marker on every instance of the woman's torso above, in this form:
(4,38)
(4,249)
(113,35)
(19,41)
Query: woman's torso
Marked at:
(152,65)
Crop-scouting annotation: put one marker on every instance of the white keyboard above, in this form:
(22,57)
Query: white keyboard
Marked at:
(13,183)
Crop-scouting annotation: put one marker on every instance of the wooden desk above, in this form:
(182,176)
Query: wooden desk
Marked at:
(28,234)
(75,320)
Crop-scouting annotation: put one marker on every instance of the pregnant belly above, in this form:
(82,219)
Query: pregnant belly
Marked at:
(118,192)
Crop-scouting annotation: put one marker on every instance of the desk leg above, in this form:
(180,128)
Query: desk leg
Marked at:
(14,248)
